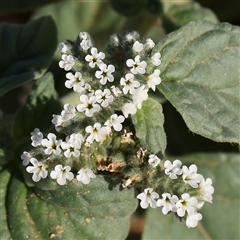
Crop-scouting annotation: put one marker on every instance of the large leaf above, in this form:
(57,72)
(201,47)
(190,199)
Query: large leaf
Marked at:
(42,102)
(148,122)
(177,15)
(200,77)
(26,51)
(4,179)
(75,211)
(221,218)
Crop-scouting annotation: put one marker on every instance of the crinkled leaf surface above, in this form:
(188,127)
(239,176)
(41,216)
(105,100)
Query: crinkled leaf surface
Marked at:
(26,51)
(74,211)
(178,15)
(148,122)
(200,77)
(221,218)
(41,103)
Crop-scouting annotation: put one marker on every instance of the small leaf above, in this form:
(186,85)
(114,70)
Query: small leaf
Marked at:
(223,169)
(200,77)
(94,211)
(4,179)
(178,15)
(42,102)
(148,122)
(26,52)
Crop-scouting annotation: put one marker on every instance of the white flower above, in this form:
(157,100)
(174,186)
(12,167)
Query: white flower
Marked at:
(155,59)
(153,79)
(104,97)
(85,44)
(36,137)
(128,108)
(148,198)
(96,132)
(84,175)
(137,47)
(192,219)
(128,83)
(140,95)
(72,145)
(136,65)
(62,47)
(58,121)
(116,91)
(153,160)
(149,44)
(83,35)
(206,189)
(186,203)
(168,202)
(26,156)
(88,104)
(191,176)
(173,169)
(52,144)
(105,73)
(132,36)
(38,169)
(61,174)
(67,62)
(115,121)
(75,81)
(95,58)
(68,112)
(86,90)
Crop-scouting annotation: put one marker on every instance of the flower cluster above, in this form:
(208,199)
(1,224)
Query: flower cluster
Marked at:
(186,199)
(102,92)
(98,135)
(51,146)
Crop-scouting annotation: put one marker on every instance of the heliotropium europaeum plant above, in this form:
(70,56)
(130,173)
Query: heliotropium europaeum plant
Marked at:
(83,173)
(98,136)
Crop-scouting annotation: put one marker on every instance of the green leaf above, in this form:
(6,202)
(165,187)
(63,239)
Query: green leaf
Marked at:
(74,211)
(72,17)
(221,218)
(41,103)
(148,122)
(4,179)
(21,5)
(26,52)
(178,15)
(200,77)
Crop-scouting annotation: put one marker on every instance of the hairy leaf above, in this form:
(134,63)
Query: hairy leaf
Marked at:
(74,211)
(42,102)
(221,218)
(26,52)
(200,77)
(148,122)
